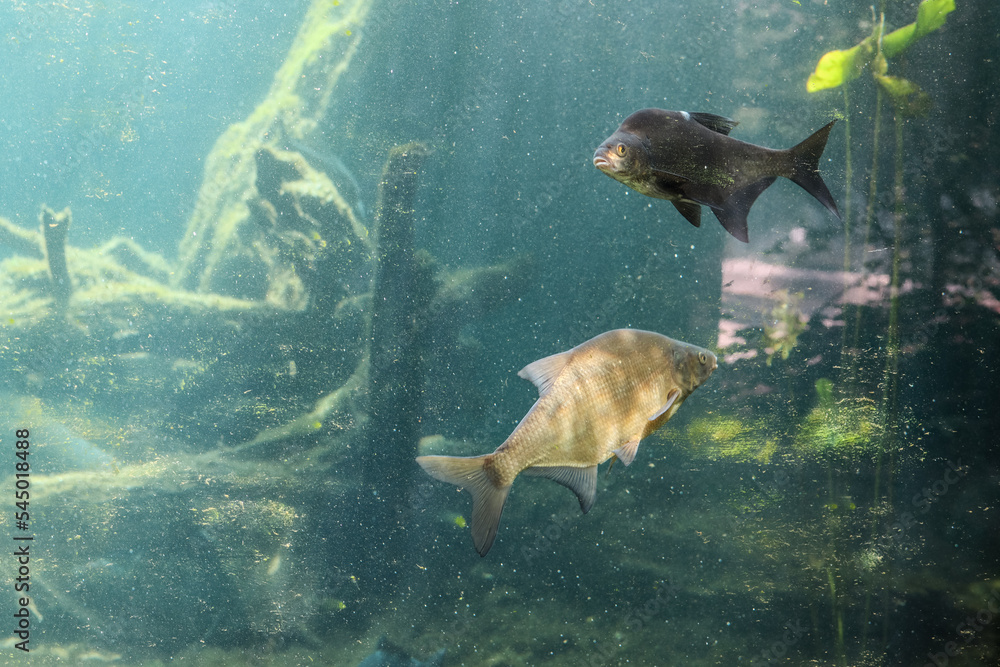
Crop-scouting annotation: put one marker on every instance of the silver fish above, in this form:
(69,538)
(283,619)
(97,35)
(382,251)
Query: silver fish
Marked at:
(596,401)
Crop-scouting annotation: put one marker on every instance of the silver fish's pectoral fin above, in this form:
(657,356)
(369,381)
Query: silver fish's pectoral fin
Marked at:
(581,481)
(487,498)
(544,372)
(626,453)
(671,399)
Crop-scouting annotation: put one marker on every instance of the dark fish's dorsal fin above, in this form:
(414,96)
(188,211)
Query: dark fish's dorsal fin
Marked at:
(733,214)
(581,481)
(690,211)
(626,453)
(544,372)
(719,124)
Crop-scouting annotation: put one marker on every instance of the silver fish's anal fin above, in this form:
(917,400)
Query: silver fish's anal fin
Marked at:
(581,481)
(626,453)
(719,124)
(733,214)
(544,372)
(690,211)
(671,399)
(487,498)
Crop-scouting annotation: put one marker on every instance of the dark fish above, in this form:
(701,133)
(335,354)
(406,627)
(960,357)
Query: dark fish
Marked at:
(689,160)
(595,402)
(389,655)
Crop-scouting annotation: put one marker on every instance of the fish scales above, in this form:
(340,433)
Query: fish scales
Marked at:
(596,401)
(619,395)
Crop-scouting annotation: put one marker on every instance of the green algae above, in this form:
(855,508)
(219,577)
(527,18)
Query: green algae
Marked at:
(725,437)
(846,427)
(298,98)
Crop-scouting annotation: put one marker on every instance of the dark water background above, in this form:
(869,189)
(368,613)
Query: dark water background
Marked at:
(866,535)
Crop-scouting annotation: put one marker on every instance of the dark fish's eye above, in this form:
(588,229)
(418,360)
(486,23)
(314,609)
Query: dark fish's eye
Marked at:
(621,149)
(702,358)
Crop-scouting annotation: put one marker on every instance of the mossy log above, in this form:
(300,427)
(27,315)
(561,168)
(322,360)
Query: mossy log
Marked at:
(404,287)
(299,97)
(54,227)
(124,337)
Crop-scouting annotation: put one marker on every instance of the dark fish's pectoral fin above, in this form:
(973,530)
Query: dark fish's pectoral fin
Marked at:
(805,160)
(733,214)
(690,211)
(581,481)
(544,372)
(626,453)
(671,399)
(487,498)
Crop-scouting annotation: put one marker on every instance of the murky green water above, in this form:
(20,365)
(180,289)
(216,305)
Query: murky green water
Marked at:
(256,257)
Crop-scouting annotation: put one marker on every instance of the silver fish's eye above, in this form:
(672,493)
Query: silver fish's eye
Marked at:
(622,149)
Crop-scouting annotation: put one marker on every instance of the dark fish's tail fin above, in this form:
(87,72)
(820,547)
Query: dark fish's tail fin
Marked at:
(805,167)
(487,498)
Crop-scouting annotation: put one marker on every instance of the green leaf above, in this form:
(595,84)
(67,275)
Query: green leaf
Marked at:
(838,67)
(907,97)
(898,41)
(931,15)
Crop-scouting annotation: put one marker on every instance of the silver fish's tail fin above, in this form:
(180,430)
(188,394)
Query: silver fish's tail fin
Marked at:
(488,499)
(805,167)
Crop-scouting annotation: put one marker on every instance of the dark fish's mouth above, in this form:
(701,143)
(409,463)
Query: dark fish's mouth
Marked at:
(602,162)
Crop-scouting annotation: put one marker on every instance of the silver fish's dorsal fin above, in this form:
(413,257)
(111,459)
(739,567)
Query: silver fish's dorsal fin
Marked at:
(581,481)
(719,124)
(671,399)
(544,372)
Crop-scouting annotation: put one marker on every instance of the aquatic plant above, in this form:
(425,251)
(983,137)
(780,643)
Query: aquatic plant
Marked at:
(836,68)
(861,426)
(789,322)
